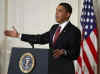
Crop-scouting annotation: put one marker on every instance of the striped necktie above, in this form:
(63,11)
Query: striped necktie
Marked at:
(57,33)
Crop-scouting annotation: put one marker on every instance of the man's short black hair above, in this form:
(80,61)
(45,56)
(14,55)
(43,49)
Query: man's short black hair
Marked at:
(67,6)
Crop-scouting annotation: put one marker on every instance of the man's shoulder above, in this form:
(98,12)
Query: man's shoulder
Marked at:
(54,26)
(73,28)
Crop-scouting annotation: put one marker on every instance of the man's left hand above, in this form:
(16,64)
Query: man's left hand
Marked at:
(58,52)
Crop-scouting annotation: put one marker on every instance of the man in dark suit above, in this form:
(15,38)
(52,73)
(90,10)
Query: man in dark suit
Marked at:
(63,38)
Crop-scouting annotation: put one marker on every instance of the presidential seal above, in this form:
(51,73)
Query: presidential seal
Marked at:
(27,62)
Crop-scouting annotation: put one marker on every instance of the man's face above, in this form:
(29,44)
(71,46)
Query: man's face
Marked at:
(61,14)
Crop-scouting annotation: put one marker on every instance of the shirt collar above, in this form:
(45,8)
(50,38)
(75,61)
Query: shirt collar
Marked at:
(63,24)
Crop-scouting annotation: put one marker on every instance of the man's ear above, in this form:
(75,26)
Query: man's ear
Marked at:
(68,15)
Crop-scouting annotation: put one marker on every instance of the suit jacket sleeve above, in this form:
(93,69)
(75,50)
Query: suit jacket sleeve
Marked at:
(74,45)
(37,39)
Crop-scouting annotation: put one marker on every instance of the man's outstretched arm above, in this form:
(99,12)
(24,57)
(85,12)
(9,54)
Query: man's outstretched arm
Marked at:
(35,39)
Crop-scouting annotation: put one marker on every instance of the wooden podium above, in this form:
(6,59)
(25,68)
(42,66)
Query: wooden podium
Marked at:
(28,61)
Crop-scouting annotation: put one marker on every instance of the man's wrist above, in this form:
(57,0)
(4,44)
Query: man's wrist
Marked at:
(19,35)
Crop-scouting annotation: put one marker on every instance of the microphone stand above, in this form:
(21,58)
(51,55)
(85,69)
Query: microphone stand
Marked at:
(32,44)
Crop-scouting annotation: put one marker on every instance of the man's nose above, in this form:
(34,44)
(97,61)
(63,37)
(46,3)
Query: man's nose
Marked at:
(56,13)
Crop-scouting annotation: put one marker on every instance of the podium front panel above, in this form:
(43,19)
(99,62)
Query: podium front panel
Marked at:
(41,60)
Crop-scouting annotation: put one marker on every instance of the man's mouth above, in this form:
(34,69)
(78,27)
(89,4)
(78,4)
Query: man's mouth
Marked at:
(57,17)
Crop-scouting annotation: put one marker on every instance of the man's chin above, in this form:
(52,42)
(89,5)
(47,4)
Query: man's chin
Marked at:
(58,21)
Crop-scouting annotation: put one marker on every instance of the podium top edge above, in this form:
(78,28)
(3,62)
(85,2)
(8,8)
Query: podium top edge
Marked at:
(30,48)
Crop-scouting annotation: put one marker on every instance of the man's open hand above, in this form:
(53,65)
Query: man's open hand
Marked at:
(58,52)
(13,33)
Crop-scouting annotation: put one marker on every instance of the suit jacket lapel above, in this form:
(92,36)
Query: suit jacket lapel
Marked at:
(65,29)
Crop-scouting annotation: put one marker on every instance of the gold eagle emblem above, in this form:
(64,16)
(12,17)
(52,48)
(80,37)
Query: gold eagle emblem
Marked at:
(27,62)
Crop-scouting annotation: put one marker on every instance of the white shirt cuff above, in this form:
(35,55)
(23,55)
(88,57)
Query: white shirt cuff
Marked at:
(20,35)
(65,52)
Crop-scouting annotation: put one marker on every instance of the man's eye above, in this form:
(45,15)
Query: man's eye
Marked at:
(60,10)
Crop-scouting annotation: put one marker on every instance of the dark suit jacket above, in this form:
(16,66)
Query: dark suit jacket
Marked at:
(69,40)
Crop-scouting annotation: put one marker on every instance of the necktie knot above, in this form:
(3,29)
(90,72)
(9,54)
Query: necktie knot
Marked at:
(59,28)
